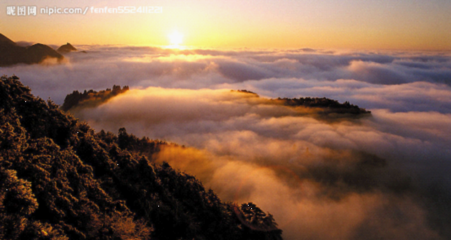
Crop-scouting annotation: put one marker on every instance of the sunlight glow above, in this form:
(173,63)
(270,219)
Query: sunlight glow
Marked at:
(175,38)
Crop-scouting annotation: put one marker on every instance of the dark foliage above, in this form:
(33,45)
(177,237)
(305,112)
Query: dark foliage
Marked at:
(91,98)
(60,180)
(247,92)
(323,105)
(328,105)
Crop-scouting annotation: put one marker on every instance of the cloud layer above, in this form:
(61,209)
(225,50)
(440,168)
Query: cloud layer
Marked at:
(308,172)
(379,177)
(359,77)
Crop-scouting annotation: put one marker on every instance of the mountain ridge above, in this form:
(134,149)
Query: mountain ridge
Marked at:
(11,53)
(61,180)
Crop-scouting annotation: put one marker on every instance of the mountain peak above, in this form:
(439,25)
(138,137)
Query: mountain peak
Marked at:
(5,40)
(66,48)
(11,53)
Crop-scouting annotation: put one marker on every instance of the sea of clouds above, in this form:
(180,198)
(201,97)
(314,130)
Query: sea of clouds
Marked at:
(383,176)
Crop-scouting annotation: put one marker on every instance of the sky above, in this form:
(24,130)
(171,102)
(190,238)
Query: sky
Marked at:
(346,24)
(382,176)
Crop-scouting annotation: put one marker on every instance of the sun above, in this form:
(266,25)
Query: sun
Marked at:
(175,38)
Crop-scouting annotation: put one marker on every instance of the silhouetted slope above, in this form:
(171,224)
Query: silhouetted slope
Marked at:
(11,53)
(38,52)
(66,48)
(323,105)
(328,105)
(91,98)
(60,180)
(5,40)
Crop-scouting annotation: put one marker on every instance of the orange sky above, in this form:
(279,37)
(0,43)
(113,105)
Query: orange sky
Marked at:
(352,24)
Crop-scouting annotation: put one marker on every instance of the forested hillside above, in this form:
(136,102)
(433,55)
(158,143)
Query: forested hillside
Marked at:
(61,180)
(91,98)
(325,106)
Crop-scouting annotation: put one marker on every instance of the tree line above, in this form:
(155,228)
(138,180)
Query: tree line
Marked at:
(59,179)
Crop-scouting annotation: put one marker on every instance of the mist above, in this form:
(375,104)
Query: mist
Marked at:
(382,176)
(348,176)
(341,75)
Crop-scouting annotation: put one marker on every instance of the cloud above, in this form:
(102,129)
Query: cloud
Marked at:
(380,177)
(288,161)
(414,96)
(103,66)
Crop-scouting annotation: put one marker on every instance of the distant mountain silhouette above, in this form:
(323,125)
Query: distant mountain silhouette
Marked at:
(91,98)
(5,40)
(324,106)
(11,53)
(66,48)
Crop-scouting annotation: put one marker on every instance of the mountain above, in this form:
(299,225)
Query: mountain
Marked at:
(59,179)
(5,41)
(11,53)
(91,98)
(66,48)
(323,106)
(327,105)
